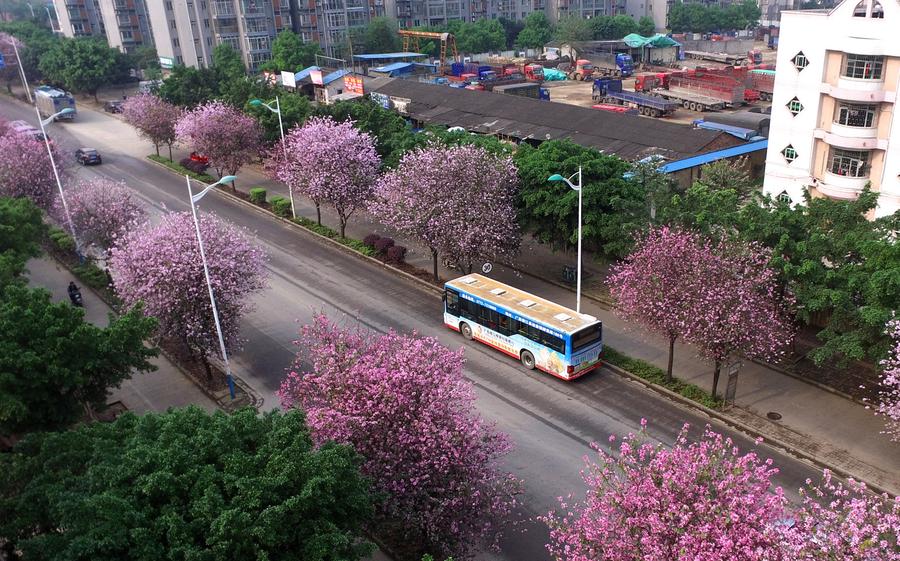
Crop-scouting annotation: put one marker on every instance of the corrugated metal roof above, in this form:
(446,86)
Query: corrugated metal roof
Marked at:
(713,156)
(305,73)
(526,118)
(393,67)
(335,75)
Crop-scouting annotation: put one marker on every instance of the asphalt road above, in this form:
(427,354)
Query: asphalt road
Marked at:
(551,422)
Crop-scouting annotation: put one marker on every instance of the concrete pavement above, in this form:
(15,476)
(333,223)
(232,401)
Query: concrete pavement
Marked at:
(151,391)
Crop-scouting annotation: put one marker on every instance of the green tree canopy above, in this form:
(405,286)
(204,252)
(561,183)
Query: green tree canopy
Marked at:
(511,30)
(295,108)
(290,53)
(612,27)
(53,364)
(380,36)
(574,28)
(21,228)
(698,18)
(480,36)
(613,208)
(188,87)
(536,33)
(227,63)
(83,64)
(38,40)
(646,26)
(184,485)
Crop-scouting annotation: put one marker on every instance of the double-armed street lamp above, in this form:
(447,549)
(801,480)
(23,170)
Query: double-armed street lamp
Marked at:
(568,180)
(195,199)
(277,111)
(62,195)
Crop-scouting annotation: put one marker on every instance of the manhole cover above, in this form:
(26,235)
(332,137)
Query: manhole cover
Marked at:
(773,415)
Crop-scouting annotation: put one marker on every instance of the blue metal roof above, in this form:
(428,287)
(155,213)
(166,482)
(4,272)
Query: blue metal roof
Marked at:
(393,67)
(387,56)
(305,73)
(334,76)
(740,132)
(695,161)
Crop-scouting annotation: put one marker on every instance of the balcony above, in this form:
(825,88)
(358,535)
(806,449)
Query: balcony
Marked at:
(851,138)
(222,9)
(842,187)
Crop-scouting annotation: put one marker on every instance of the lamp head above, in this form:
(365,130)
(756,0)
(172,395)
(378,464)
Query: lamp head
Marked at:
(227,179)
(256,102)
(556,177)
(66,111)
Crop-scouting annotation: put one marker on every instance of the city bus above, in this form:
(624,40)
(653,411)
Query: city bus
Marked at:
(535,331)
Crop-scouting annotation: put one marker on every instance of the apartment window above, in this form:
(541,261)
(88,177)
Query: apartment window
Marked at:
(794,106)
(206,23)
(179,59)
(257,25)
(789,153)
(168,6)
(335,20)
(851,163)
(127,35)
(258,43)
(176,42)
(853,115)
(784,197)
(864,67)
(234,42)
(209,41)
(172,24)
(800,61)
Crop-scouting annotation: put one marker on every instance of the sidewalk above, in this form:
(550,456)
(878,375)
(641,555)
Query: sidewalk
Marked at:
(836,431)
(152,391)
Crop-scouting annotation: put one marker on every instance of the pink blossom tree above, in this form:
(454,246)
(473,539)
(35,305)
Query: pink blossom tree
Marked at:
(844,523)
(25,170)
(102,211)
(403,403)
(739,308)
(698,501)
(657,284)
(459,200)
(154,118)
(161,267)
(227,136)
(890,381)
(330,162)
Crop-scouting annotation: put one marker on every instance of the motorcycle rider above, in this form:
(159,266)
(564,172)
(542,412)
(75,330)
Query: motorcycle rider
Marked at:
(75,295)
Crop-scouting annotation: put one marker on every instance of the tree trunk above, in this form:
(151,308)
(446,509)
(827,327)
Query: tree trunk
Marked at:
(716,373)
(434,255)
(343,220)
(156,145)
(206,366)
(170,151)
(318,213)
(671,357)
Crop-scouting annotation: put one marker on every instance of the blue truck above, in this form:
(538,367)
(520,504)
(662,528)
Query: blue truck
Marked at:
(609,90)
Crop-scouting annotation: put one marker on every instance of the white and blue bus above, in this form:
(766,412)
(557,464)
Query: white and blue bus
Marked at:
(535,331)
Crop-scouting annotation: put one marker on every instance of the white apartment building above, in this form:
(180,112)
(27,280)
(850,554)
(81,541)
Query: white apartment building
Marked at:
(835,126)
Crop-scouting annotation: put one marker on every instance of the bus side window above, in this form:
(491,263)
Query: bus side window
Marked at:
(452,299)
(505,325)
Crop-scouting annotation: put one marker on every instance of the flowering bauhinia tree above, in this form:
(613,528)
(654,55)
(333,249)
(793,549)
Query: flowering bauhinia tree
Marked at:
(102,211)
(657,284)
(161,267)
(25,170)
(698,501)
(455,199)
(227,136)
(403,403)
(739,308)
(329,162)
(838,522)
(154,118)
(890,381)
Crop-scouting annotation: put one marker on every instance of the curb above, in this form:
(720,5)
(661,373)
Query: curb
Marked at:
(672,396)
(742,427)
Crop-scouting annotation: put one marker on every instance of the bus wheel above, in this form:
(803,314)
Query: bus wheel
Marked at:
(527,360)
(465,330)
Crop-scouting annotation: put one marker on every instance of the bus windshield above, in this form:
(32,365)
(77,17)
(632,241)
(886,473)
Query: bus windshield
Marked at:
(586,337)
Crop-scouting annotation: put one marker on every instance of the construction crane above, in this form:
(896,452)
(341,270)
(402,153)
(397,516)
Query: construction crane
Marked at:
(412,39)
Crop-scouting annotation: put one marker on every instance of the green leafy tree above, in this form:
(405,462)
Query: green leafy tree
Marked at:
(38,41)
(613,208)
(227,63)
(189,87)
(646,26)
(481,36)
(380,36)
(290,53)
(185,484)
(21,228)
(725,174)
(511,28)
(710,211)
(536,33)
(295,108)
(612,27)
(54,366)
(574,28)
(145,59)
(83,65)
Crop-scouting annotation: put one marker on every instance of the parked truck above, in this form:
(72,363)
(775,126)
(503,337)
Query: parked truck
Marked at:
(753,56)
(527,89)
(50,101)
(609,91)
(614,64)
(699,93)
(762,81)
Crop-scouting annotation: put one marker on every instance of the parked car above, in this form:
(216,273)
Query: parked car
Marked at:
(88,156)
(113,106)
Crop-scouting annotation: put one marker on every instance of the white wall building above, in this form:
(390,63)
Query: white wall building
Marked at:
(835,126)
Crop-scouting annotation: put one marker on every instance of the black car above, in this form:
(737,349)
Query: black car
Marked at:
(87,156)
(113,106)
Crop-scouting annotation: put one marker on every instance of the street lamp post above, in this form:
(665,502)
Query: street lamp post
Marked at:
(277,111)
(194,199)
(568,180)
(62,195)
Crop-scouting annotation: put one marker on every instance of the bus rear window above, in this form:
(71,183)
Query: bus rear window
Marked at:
(586,337)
